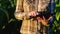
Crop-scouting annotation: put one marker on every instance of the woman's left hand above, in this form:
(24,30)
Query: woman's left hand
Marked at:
(43,20)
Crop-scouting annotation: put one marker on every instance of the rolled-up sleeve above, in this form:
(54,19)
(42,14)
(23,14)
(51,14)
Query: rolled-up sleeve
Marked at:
(19,10)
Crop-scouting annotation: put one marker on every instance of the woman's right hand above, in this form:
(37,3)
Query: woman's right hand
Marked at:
(33,13)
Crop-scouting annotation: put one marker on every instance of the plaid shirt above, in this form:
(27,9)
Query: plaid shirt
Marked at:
(31,26)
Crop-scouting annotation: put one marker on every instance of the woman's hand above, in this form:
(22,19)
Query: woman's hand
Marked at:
(33,13)
(43,20)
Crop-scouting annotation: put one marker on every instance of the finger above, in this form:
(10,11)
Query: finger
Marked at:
(43,18)
(38,18)
(33,14)
(49,17)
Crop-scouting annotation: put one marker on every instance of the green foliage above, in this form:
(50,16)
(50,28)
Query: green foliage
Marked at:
(56,25)
(7,9)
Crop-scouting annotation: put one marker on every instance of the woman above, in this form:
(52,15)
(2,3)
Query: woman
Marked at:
(26,9)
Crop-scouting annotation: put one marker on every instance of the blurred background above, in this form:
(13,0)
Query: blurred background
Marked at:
(9,25)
